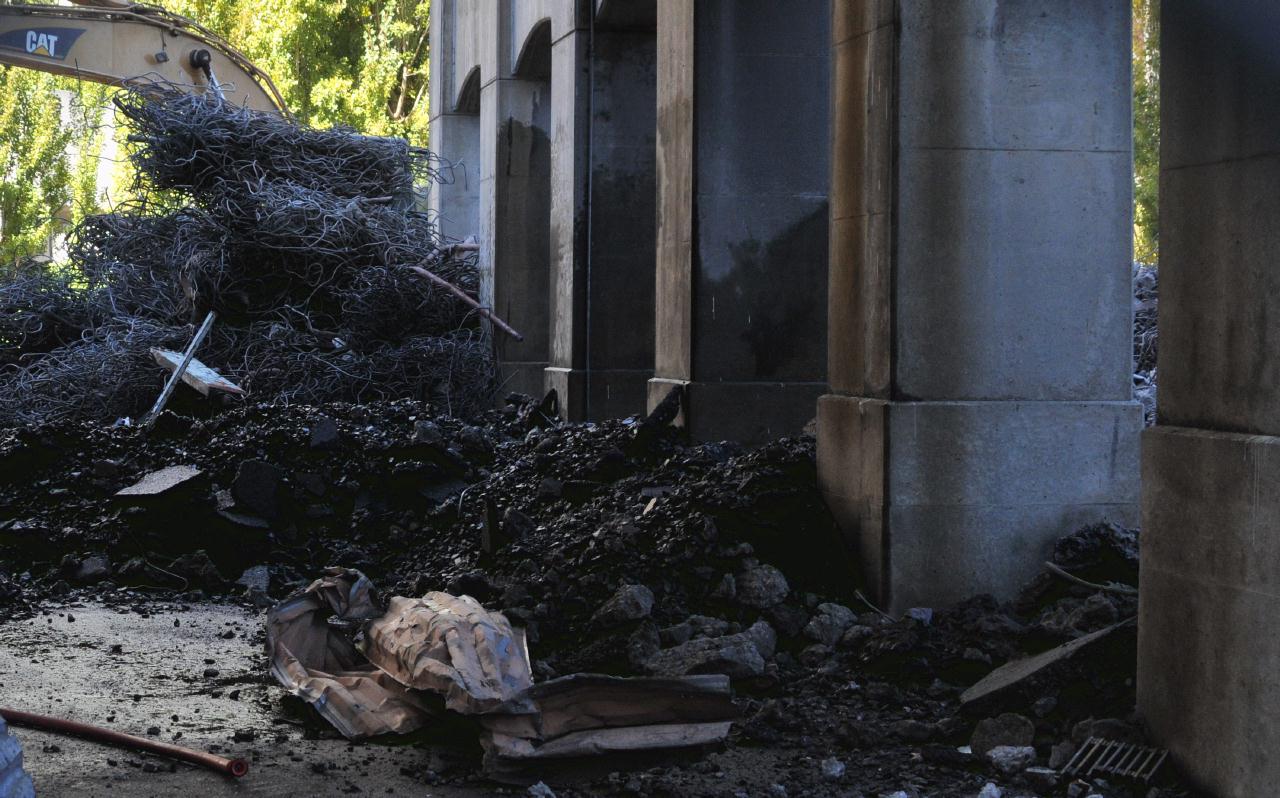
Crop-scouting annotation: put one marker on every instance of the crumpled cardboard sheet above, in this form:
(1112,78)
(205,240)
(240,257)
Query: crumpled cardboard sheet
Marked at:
(419,653)
(312,657)
(454,647)
(589,714)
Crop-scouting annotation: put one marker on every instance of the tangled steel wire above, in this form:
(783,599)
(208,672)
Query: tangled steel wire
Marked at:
(304,241)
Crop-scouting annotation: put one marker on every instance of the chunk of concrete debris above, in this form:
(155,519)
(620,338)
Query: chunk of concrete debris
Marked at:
(198,375)
(453,647)
(829,624)
(990,790)
(832,769)
(1008,729)
(162,481)
(739,656)
(762,587)
(629,603)
(1014,675)
(1011,759)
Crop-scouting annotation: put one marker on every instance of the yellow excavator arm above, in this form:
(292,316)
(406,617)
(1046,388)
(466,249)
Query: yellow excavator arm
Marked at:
(108,41)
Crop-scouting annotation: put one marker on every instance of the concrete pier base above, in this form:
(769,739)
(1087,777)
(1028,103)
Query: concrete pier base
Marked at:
(1207,683)
(979,347)
(938,497)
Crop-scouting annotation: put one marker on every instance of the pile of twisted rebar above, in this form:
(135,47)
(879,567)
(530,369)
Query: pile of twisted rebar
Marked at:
(308,245)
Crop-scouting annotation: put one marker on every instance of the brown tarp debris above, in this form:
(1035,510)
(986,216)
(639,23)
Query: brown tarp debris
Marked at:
(451,646)
(314,659)
(443,648)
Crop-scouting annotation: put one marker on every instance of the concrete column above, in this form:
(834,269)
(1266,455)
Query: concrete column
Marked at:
(455,137)
(515,216)
(1208,686)
(980,319)
(455,125)
(603,214)
(743,173)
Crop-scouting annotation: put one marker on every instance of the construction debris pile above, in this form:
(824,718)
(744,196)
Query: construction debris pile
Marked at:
(615,549)
(304,242)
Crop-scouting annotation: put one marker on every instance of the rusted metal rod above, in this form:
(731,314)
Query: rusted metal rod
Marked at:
(465,297)
(232,767)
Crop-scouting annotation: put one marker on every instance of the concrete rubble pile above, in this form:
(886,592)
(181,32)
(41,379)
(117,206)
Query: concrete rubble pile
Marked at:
(326,281)
(617,549)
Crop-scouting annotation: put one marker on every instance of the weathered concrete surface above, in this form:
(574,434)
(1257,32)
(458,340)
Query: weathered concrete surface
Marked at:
(945,499)
(1210,593)
(980,313)
(1207,679)
(64,668)
(1219,325)
(515,219)
(603,220)
(740,283)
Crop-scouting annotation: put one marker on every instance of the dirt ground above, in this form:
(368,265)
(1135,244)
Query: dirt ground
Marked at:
(64,664)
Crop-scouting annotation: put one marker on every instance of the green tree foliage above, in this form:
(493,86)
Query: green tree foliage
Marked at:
(46,182)
(361,63)
(1146,130)
(356,62)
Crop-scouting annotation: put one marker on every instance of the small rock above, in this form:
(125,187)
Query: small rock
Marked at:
(629,603)
(1012,759)
(736,656)
(1007,730)
(762,587)
(255,487)
(766,640)
(913,731)
(922,615)
(829,624)
(1061,754)
(324,434)
(540,790)
(854,635)
(257,576)
(727,589)
(550,488)
(244,736)
(833,769)
(94,568)
(428,433)
(516,525)
(1043,706)
(990,790)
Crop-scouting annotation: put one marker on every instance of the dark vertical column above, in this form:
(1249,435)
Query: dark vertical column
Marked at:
(515,215)
(1210,594)
(743,115)
(603,213)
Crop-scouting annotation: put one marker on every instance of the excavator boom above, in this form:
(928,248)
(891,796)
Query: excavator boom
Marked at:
(117,43)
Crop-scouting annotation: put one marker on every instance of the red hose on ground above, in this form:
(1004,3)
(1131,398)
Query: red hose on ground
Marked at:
(232,767)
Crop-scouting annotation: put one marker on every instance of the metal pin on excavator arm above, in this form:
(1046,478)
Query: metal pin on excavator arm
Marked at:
(112,42)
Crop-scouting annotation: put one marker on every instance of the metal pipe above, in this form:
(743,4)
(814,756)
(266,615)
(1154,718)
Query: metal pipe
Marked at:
(232,767)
